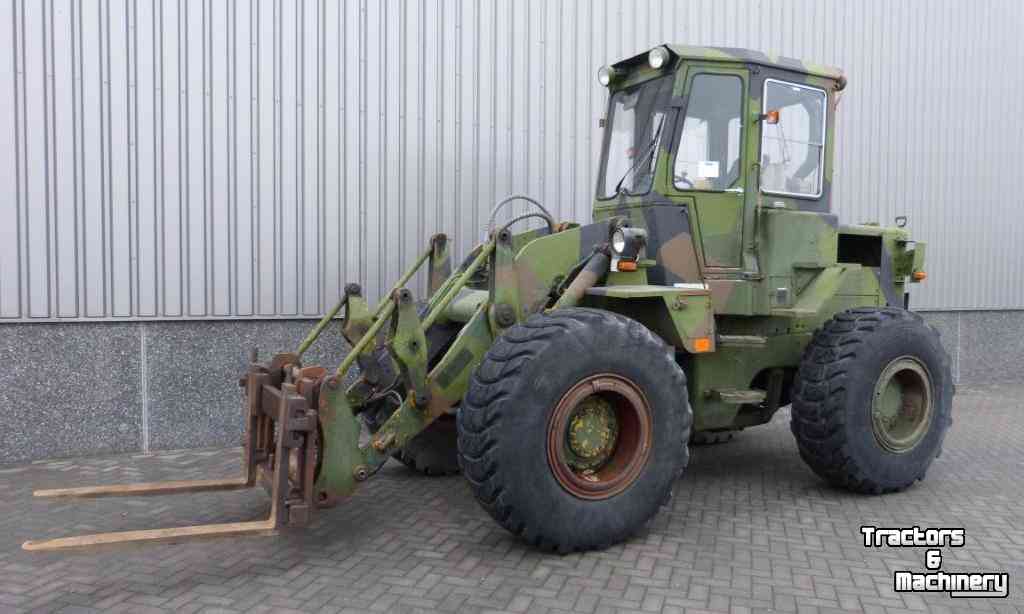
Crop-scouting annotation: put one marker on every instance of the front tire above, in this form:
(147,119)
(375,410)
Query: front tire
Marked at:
(872,400)
(574,429)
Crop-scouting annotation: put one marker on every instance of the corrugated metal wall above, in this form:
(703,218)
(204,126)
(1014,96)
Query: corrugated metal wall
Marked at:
(195,159)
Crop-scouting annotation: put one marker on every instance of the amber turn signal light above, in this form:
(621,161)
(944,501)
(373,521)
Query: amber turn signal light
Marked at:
(627,266)
(702,344)
(919,276)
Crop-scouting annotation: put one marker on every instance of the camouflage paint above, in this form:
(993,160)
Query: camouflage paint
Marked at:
(680,316)
(748,275)
(440,267)
(769,260)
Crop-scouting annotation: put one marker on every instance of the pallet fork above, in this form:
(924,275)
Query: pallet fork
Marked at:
(273,407)
(302,440)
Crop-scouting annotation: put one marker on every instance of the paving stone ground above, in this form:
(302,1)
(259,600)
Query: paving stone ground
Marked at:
(750,529)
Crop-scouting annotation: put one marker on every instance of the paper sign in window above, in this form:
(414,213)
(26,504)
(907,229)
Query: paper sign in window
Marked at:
(707,169)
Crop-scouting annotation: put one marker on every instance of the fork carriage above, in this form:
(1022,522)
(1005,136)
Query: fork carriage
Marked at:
(281,424)
(302,438)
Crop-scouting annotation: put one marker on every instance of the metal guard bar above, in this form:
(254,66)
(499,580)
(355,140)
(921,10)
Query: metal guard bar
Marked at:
(451,291)
(386,308)
(324,321)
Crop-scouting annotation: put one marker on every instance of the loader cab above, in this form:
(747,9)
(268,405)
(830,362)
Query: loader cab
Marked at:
(697,141)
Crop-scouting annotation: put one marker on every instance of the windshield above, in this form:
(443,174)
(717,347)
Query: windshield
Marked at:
(635,120)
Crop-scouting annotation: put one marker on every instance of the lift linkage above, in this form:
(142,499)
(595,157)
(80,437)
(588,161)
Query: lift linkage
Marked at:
(303,434)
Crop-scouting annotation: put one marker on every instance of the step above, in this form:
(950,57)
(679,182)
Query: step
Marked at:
(735,396)
(742,340)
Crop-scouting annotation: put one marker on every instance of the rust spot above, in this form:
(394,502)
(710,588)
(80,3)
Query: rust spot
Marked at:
(632,448)
(382,443)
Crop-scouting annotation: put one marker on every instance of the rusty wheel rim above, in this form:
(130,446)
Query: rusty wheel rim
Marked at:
(599,437)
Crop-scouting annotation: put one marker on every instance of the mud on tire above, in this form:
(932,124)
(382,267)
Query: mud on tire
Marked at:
(504,422)
(835,393)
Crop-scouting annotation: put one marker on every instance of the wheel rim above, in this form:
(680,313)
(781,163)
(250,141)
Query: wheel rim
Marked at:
(599,437)
(902,408)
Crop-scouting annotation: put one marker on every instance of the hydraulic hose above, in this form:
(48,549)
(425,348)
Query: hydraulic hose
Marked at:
(544,212)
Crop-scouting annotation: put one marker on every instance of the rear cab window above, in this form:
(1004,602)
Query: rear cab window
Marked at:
(793,148)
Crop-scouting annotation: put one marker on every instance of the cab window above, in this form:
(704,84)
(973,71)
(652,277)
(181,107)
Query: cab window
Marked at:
(793,139)
(636,117)
(708,155)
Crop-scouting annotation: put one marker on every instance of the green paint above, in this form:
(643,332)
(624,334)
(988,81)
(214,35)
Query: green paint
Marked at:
(734,278)
(902,409)
(340,453)
(593,431)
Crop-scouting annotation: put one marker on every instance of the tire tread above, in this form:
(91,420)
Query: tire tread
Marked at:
(819,389)
(494,384)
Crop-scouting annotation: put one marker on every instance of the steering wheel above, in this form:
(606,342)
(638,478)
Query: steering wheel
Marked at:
(683,179)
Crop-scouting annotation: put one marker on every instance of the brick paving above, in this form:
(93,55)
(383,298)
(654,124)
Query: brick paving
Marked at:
(750,529)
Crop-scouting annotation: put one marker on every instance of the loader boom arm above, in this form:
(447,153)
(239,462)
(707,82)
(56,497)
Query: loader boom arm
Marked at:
(304,434)
(302,428)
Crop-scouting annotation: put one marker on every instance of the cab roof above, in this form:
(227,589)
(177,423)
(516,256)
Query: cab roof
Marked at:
(750,56)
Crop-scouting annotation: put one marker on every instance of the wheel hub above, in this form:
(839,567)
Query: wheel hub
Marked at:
(593,431)
(600,436)
(902,408)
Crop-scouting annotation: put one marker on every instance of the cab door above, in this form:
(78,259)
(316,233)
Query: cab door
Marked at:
(708,163)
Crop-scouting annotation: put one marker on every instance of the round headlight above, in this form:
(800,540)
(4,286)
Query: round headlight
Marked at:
(618,242)
(658,57)
(604,75)
(627,242)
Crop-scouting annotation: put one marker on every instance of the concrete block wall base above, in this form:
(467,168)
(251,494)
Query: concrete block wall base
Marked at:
(73,389)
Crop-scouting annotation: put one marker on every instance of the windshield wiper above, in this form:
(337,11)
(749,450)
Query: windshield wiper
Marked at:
(644,157)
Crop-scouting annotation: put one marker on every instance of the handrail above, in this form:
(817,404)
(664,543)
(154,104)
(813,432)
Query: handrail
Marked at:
(514,197)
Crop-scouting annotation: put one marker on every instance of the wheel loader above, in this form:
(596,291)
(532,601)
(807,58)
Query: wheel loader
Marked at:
(563,368)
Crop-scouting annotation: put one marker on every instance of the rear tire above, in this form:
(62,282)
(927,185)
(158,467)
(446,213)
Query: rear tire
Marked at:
(546,386)
(872,400)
